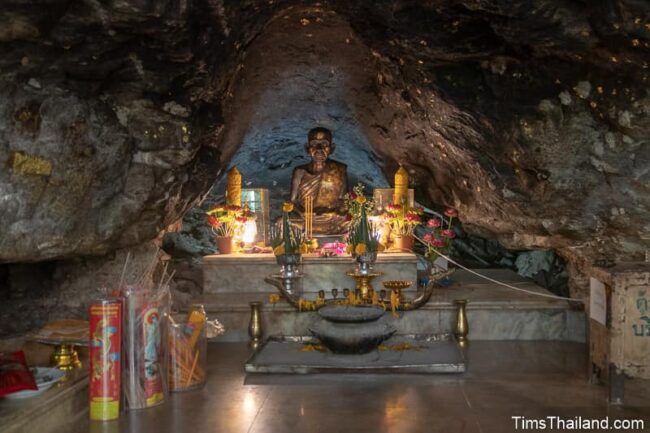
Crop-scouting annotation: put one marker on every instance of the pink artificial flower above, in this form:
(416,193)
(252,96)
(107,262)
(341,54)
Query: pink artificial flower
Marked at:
(213,221)
(353,195)
(434,223)
(449,233)
(438,243)
(394,207)
(348,217)
(412,217)
(451,212)
(428,237)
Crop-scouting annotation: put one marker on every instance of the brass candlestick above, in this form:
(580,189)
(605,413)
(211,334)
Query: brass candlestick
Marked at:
(462,327)
(363,282)
(255,326)
(65,357)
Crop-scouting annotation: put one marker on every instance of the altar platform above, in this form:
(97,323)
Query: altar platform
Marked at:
(494,312)
(246,272)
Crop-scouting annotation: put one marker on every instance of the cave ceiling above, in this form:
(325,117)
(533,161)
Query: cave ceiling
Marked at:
(529,116)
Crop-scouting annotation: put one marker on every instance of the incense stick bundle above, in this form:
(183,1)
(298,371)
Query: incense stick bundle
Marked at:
(187,355)
(146,309)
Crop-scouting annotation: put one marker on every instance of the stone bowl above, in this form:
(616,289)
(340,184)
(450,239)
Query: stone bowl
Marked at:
(351,338)
(351,313)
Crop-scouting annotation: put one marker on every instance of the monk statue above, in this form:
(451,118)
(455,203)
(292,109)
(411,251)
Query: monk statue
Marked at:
(325,180)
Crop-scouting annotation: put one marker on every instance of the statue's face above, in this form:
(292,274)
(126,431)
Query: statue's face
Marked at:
(319,150)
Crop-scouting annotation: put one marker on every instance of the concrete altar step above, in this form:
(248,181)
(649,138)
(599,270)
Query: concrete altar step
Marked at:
(494,312)
(50,411)
(230,273)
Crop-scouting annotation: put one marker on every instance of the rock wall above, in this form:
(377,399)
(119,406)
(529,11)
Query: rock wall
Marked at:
(529,116)
(34,293)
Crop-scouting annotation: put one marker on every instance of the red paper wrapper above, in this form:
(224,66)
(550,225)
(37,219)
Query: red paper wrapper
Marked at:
(104,353)
(14,374)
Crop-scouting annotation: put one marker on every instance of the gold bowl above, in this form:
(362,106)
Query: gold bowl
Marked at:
(396,284)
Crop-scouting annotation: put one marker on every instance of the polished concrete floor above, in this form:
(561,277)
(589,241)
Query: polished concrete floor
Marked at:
(504,379)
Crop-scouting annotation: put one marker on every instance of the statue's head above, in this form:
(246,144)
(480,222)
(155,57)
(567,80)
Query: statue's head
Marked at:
(319,145)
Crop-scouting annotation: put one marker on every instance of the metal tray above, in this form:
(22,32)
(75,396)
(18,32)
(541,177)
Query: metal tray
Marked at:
(424,353)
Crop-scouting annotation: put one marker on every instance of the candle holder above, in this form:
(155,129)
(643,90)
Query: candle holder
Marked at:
(363,282)
(397,286)
(65,357)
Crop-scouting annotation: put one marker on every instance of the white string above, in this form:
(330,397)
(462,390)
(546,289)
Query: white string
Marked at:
(499,282)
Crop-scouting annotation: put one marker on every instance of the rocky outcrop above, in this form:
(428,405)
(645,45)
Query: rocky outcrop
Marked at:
(529,116)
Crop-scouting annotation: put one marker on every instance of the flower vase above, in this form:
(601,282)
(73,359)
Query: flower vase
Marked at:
(255,331)
(403,243)
(224,244)
(290,264)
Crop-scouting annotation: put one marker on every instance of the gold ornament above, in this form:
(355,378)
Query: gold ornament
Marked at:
(401,192)
(233,189)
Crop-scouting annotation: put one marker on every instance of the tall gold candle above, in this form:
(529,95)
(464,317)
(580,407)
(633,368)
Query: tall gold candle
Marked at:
(305,205)
(401,185)
(233,188)
(309,216)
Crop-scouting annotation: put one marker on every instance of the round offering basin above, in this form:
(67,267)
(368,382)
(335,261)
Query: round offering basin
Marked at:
(351,313)
(351,338)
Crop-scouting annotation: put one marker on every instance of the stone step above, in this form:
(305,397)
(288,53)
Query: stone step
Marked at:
(494,312)
(50,411)
(225,273)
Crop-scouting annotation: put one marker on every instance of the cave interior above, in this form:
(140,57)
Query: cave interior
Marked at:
(119,121)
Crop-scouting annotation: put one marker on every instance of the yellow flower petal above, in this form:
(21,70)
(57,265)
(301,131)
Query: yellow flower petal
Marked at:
(360,249)
(287,207)
(279,250)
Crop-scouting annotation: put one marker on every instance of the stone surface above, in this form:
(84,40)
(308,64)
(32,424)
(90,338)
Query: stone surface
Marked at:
(494,313)
(232,273)
(533,379)
(49,411)
(350,313)
(37,293)
(430,354)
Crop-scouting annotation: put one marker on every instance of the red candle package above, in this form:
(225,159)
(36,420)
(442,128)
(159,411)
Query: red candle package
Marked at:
(14,373)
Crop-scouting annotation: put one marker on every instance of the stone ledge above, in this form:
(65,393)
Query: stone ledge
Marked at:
(234,302)
(268,258)
(49,411)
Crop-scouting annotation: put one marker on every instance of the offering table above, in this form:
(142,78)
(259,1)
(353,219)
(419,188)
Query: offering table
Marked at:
(246,272)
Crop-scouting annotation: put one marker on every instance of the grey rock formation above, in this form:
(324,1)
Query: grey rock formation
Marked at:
(117,117)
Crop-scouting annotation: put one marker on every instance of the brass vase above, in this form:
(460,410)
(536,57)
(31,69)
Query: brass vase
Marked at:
(403,243)
(462,327)
(255,326)
(224,244)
